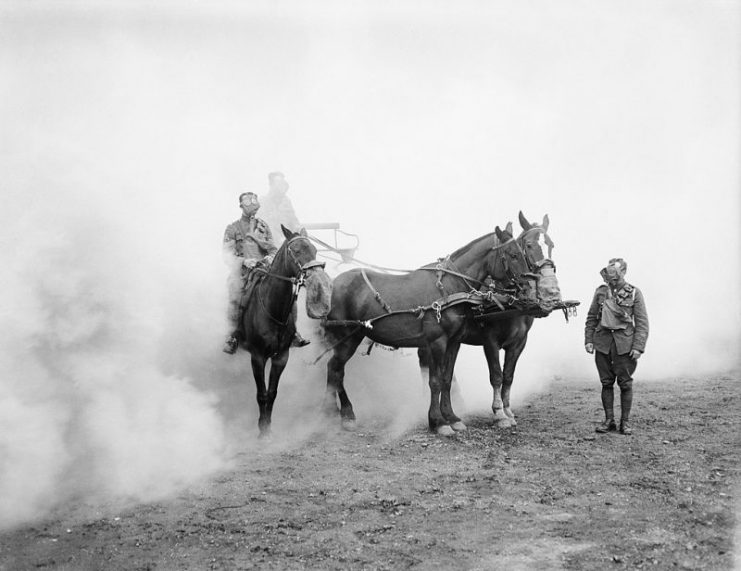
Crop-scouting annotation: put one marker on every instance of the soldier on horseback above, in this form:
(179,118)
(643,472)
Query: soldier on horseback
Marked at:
(248,243)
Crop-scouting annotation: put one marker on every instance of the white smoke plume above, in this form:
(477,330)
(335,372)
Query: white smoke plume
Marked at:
(129,131)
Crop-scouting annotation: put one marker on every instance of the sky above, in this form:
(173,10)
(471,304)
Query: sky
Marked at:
(128,132)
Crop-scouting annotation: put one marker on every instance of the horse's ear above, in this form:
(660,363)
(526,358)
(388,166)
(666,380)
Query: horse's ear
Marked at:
(500,235)
(509,228)
(523,222)
(303,232)
(545,223)
(286,232)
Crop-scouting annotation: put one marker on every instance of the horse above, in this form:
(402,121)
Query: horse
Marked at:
(509,332)
(269,319)
(422,308)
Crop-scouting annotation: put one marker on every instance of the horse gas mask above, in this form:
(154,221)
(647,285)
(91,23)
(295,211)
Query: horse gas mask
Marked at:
(542,287)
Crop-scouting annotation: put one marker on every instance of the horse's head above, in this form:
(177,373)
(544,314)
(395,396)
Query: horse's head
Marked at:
(506,261)
(544,287)
(530,240)
(299,260)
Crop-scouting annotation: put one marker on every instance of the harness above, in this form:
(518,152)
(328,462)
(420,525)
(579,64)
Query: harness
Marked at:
(472,297)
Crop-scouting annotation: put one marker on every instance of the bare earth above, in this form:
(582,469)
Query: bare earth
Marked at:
(548,494)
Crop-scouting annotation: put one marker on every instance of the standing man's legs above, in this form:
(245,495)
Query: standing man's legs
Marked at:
(607,378)
(624,368)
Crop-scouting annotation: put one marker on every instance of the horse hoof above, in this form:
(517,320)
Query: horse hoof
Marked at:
(265,436)
(504,422)
(445,430)
(458,426)
(349,424)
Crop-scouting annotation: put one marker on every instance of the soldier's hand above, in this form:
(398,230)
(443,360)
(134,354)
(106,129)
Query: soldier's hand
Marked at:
(589,347)
(635,355)
(249,263)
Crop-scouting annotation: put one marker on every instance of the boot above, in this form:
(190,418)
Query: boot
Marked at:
(608,425)
(626,402)
(299,341)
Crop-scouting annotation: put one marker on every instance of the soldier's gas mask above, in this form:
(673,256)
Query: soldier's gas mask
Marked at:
(249,204)
(614,271)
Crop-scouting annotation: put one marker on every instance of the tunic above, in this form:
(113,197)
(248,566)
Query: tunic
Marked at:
(627,325)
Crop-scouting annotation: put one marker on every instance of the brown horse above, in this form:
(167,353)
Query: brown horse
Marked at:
(508,333)
(269,319)
(423,308)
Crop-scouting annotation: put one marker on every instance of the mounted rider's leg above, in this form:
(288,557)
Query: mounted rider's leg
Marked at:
(298,339)
(607,379)
(235,310)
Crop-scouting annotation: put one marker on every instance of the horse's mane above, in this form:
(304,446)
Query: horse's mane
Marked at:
(474,242)
(281,250)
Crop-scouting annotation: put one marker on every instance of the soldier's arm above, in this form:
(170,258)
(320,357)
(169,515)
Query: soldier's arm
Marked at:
(229,251)
(640,317)
(592,318)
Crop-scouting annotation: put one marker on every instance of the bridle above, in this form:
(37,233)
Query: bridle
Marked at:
(501,256)
(535,265)
(511,276)
(297,280)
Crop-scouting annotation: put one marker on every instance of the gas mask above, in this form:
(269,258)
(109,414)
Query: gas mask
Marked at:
(542,287)
(250,205)
(613,272)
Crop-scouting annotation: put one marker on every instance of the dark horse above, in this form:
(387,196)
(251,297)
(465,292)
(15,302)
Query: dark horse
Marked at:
(508,333)
(269,320)
(417,309)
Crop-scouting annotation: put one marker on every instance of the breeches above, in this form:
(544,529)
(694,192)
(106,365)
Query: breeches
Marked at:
(235,289)
(613,367)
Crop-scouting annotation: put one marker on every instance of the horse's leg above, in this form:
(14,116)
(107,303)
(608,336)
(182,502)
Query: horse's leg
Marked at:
(491,350)
(343,351)
(511,355)
(277,364)
(446,405)
(423,355)
(435,418)
(258,371)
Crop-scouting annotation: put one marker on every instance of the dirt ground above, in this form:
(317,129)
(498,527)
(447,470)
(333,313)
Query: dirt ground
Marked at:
(548,494)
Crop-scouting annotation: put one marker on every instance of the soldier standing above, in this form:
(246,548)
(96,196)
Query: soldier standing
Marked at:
(616,331)
(247,241)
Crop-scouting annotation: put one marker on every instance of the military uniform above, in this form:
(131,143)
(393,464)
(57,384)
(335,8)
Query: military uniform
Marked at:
(278,209)
(246,239)
(616,324)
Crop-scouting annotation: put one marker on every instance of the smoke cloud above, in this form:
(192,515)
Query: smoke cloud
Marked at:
(129,131)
